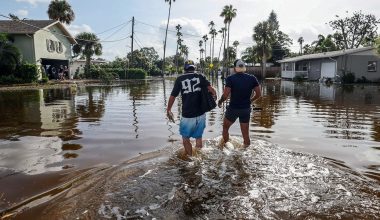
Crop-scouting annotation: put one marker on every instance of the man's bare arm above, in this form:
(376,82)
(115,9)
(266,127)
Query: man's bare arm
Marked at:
(257,94)
(226,94)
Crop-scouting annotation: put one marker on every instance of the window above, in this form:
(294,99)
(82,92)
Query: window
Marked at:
(372,66)
(288,67)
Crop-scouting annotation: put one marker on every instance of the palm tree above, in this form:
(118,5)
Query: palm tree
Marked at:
(251,55)
(300,41)
(223,32)
(211,25)
(235,44)
(200,52)
(205,39)
(87,46)
(179,41)
(60,10)
(263,35)
(228,13)
(185,51)
(166,33)
(10,56)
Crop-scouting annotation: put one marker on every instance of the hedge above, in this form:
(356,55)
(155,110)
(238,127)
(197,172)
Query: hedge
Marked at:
(25,73)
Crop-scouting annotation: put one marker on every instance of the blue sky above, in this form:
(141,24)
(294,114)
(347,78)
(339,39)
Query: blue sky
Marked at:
(297,18)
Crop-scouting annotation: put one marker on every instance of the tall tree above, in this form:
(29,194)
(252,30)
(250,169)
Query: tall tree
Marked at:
(251,55)
(300,41)
(213,34)
(223,32)
(205,39)
(235,44)
(228,13)
(179,42)
(87,45)
(61,10)
(264,37)
(200,52)
(358,30)
(324,44)
(166,33)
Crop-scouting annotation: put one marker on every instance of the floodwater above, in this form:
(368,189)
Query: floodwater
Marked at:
(102,152)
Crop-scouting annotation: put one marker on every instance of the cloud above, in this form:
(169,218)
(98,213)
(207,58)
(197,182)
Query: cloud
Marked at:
(34,2)
(76,29)
(22,13)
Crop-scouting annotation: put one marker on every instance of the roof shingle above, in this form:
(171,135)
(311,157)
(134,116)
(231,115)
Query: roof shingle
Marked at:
(24,26)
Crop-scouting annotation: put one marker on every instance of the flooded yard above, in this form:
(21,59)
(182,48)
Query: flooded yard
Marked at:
(315,153)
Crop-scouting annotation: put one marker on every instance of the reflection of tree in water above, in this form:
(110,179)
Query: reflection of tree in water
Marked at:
(93,108)
(270,103)
(19,111)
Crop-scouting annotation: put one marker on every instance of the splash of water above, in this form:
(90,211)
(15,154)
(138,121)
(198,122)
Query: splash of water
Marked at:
(263,181)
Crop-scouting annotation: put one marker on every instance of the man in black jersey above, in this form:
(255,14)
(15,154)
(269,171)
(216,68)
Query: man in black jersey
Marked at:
(240,86)
(193,121)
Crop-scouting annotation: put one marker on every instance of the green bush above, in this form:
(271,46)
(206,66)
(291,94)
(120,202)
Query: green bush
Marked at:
(348,78)
(44,79)
(363,79)
(9,79)
(27,72)
(106,77)
(136,74)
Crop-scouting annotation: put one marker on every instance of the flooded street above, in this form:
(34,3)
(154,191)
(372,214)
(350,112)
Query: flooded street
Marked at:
(102,152)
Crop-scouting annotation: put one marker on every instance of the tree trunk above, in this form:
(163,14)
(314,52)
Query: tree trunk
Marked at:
(176,56)
(88,66)
(228,52)
(166,36)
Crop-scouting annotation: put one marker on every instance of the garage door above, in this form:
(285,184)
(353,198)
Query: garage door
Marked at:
(328,69)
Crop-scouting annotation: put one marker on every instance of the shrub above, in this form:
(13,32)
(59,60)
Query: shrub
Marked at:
(44,79)
(27,72)
(136,74)
(363,79)
(9,79)
(106,77)
(348,78)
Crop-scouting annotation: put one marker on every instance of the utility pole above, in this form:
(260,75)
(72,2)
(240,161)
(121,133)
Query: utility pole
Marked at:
(133,32)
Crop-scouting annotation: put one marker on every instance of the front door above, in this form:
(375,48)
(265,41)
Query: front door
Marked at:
(328,69)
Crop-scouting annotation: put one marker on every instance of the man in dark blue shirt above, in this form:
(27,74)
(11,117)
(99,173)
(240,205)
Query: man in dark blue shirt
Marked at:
(240,86)
(193,121)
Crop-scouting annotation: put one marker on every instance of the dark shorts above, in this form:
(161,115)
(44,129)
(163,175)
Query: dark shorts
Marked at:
(243,114)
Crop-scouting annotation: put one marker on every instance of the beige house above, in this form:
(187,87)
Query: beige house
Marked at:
(46,43)
(363,62)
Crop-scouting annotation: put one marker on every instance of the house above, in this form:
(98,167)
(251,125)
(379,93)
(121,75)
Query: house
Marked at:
(77,66)
(363,62)
(46,43)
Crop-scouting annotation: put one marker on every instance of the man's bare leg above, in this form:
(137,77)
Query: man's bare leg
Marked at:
(226,126)
(244,127)
(188,147)
(198,143)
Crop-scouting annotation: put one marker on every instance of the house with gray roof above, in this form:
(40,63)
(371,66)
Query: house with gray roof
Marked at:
(46,43)
(362,62)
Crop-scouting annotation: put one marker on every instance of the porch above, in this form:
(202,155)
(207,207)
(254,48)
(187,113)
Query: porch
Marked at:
(291,70)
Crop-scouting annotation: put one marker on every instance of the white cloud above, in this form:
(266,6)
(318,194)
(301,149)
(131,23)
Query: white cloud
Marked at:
(76,29)
(22,13)
(34,2)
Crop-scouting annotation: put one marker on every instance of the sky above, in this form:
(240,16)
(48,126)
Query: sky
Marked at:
(110,20)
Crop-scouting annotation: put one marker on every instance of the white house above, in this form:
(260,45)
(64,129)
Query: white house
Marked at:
(363,62)
(46,43)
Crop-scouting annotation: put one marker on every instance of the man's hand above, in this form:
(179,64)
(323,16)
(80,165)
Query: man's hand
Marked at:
(170,116)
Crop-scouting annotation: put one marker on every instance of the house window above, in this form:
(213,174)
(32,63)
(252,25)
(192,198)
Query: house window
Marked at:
(372,66)
(288,67)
